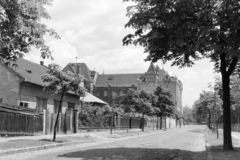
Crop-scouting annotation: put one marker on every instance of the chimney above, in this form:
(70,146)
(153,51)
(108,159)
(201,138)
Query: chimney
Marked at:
(78,68)
(41,63)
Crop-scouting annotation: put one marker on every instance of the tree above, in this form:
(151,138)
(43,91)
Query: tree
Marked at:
(208,107)
(129,100)
(138,102)
(164,102)
(21,28)
(144,105)
(61,83)
(184,31)
(187,114)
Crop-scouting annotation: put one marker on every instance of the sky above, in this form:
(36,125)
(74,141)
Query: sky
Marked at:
(92,31)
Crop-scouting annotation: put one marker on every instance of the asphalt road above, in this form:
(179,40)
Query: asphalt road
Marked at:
(186,143)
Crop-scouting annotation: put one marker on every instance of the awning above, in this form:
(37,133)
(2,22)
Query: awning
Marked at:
(89,98)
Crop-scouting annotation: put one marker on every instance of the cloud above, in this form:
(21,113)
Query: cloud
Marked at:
(63,53)
(125,60)
(93,31)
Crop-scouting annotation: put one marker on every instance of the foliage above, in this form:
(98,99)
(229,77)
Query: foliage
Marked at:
(187,114)
(164,102)
(21,28)
(137,102)
(144,104)
(184,31)
(95,116)
(129,100)
(208,107)
(61,83)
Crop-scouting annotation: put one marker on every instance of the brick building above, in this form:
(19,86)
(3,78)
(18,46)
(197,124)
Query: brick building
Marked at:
(105,86)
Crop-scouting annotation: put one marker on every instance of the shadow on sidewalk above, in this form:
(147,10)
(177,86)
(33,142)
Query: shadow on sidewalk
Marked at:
(136,154)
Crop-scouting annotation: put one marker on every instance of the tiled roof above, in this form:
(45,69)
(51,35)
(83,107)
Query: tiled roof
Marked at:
(118,79)
(84,70)
(31,72)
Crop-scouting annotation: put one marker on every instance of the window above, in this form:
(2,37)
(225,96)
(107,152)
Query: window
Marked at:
(111,78)
(56,106)
(98,94)
(114,93)
(23,104)
(41,104)
(71,105)
(105,93)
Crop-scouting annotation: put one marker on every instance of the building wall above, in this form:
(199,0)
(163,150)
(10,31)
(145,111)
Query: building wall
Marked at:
(117,90)
(9,86)
(29,93)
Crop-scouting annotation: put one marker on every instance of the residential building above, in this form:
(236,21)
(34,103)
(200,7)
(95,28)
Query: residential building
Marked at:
(22,85)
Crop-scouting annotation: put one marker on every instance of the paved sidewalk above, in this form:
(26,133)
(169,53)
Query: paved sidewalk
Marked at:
(215,146)
(13,145)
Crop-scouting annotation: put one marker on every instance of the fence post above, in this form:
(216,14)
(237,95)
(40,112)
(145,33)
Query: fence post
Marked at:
(44,122)
(130,122)
(75,121)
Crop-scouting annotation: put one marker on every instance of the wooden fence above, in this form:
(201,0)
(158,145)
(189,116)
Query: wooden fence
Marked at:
(66,122)
(19,121)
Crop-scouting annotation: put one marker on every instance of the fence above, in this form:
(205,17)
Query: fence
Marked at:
(66,122)
(24,121)
(217,121)
(19,121)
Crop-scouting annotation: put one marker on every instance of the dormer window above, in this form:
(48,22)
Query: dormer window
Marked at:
(111,78)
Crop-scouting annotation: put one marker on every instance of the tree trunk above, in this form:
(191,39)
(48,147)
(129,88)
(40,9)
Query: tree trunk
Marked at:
(209,120)
(56,122)
(143,122)
(227,137)
(161,121)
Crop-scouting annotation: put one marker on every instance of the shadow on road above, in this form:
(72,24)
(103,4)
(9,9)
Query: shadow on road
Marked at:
(135,154)
(196,130)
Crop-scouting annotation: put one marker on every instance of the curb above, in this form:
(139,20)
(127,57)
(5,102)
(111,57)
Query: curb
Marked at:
(208,147)
(37,148)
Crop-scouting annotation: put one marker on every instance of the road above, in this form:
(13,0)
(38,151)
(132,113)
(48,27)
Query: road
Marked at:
(186,143)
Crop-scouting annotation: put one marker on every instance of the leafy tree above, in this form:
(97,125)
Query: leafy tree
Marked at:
(144,105)
(184,31)
(61,83)
(21,28)
(138,102)
(164,102)
(187,114)
(208,107)
(129,100)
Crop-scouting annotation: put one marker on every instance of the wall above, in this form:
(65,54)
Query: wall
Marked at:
(9,86)
(99,92)
(29,93)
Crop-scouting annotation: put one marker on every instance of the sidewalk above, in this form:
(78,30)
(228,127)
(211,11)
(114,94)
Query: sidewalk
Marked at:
(13,145)
(215,149)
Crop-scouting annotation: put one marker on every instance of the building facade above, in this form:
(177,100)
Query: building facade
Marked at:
(23,86)
(107,86)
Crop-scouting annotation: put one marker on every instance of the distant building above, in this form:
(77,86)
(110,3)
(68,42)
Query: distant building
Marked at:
(106,86)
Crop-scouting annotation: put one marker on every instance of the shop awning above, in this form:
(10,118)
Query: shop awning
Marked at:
(89,98)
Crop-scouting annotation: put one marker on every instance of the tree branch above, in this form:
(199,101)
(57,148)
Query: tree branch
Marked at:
(232,65)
